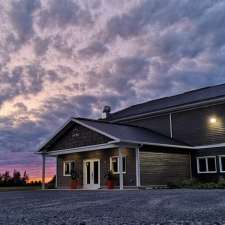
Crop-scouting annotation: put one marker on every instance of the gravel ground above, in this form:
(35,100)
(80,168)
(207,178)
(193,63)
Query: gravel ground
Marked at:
(160,207)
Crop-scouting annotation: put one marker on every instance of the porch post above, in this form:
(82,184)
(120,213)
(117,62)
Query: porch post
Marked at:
(56,173)
(121,168)
(43,171)
(138,182)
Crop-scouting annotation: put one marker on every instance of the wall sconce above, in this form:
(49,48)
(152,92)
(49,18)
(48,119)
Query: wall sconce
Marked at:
(212,120)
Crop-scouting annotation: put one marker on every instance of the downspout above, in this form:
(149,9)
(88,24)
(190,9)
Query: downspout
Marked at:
(190,165)
(171,126)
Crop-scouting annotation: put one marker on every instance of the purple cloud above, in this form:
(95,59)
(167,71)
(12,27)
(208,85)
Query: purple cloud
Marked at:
(63,58)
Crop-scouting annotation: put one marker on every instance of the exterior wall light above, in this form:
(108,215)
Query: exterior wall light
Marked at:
(213,120)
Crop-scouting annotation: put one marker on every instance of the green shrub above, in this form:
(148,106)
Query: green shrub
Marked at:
(196,184)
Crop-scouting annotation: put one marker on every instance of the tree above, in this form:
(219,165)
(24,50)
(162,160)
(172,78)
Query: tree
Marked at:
(6,177)
(25,178)
(16,178)
(1,179)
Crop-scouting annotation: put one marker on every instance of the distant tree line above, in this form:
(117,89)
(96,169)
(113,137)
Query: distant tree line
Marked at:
(15,180)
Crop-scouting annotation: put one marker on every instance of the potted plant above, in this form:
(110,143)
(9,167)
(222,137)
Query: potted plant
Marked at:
(74,180)
(110,178)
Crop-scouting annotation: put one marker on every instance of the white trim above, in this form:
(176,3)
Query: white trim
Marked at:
(94,129)
(82,149)
(56,172)
(177,146)
(220,163)
(80,123)
(190,161)
(138,176)
(113,144)
(91,185)
(186,107)
(157,144)
(209,146)
(121,168)
(55,133)
(206,161)
(64,167)
(43,171)
(118,158)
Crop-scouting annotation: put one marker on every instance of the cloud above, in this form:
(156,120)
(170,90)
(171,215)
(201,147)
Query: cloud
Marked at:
(94,49)
(61,13)
(63,58)
(41,46)
(22,18)
(25,80)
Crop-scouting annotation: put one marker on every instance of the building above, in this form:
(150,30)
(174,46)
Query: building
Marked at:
(166,140)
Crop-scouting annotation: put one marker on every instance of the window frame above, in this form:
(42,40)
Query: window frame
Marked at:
(111,166)
(220,163)
(207,167)
(64,167)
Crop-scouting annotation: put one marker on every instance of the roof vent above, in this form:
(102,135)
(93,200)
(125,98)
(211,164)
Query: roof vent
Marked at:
(106,112)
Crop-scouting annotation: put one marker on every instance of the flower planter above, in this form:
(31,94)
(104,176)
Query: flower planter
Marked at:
(74,184)
(110,184)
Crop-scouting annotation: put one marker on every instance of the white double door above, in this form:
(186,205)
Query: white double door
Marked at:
(91,174)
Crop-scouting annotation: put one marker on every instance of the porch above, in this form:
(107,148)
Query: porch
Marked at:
(91,167)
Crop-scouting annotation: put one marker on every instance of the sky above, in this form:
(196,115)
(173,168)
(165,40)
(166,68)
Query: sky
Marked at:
(64,58)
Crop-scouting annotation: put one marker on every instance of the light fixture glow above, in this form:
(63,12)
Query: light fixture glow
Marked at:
(212,120)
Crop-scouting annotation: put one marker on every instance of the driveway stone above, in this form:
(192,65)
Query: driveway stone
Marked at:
(162,207)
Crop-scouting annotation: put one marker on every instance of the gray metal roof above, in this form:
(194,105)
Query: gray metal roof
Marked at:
(128,133)
(190,97)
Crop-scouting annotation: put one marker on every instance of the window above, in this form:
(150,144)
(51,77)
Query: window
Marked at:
(222,163)
(114,164)
(68,167)
(206,164)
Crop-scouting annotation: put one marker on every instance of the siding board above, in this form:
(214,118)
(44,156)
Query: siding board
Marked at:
(191,126)
(161,168)
(104,157)
(160,124)
(78,136)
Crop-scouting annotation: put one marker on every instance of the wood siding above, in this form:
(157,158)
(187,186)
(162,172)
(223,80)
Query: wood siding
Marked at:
(161,168)
(160,124)
(104,157)
(191,127)
(78,136)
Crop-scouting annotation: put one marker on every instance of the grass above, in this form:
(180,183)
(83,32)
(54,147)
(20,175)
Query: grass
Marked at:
(22,188)
(195,184)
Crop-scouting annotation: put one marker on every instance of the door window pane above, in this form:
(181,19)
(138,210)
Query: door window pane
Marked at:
(88,169)
(66,168)
(115,164)
(222,158)
(72,166)
(202,164)
(124,164)
(211,164)
(95,172)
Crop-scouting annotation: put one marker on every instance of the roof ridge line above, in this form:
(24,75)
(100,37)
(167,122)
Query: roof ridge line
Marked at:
(167,97)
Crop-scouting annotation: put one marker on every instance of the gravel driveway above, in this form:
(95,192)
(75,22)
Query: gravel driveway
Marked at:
(113,207)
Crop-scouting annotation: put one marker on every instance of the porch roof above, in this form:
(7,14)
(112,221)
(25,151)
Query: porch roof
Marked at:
(118,133)
(128,133)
